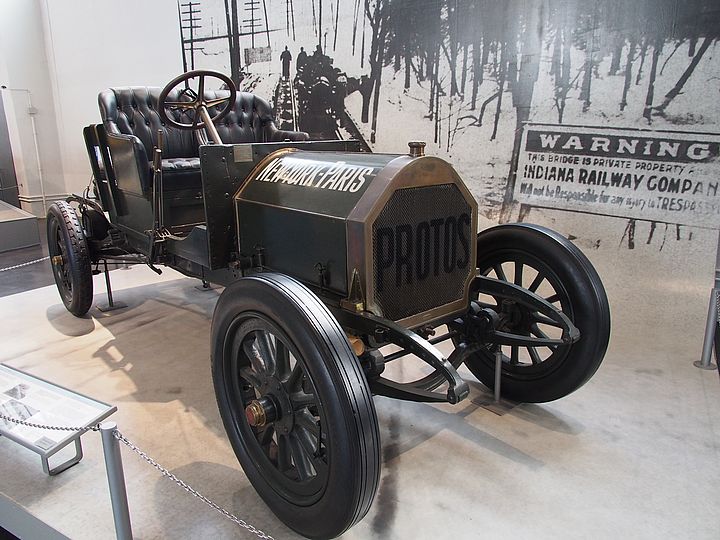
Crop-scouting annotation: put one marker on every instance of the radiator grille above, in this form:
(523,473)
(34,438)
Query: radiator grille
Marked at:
(422,250)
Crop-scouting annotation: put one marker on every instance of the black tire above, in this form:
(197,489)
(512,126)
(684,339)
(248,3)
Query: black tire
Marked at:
(69,258)
(578,292)
(323,397)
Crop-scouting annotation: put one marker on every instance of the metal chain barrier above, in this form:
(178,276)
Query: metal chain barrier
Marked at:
(120,437)
(43,426)
(24,264)
(260,534)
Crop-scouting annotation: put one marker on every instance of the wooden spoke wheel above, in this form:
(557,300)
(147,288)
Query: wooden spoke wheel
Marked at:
(549,265)
(295,404)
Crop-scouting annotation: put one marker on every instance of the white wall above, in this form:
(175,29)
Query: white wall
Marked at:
(24,71)
(65,52)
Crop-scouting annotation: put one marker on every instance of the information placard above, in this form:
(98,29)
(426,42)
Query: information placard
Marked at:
(31,399)
(671,177)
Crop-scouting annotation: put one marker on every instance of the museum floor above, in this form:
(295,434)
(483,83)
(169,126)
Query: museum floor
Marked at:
(633,454)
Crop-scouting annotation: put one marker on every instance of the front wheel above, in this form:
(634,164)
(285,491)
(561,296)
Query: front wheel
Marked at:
(295,404)
(545,263)
(70,258)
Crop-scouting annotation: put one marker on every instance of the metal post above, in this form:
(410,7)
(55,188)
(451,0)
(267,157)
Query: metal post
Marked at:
(107,284)
(112,305)
(498,373)
(116,481)
(705,361)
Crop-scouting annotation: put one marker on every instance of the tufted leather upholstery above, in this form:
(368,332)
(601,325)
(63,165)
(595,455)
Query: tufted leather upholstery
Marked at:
(130,114)
(180,164)
(250,120)
(133,111)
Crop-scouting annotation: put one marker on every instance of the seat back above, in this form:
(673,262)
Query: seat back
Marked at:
(133,110)
(247,122)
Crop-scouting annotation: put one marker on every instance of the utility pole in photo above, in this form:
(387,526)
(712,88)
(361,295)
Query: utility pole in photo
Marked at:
(189,19)
(233,31)
(252,21)
(289,18)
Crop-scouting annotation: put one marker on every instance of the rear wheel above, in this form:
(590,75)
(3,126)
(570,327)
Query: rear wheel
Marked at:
(295,404)
(70,258)
(549,265)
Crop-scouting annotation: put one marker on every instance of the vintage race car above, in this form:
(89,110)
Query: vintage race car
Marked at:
(328,256)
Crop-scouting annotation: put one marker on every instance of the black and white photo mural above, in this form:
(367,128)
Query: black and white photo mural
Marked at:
(605,106)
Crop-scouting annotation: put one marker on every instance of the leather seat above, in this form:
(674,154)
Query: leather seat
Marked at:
(132,121)
(251,120)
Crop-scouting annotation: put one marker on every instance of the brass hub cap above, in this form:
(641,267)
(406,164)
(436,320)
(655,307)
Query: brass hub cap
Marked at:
(260,411)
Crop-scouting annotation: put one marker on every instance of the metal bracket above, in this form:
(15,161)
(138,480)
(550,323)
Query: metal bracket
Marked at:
(65,465)
(496,287)
(367,323)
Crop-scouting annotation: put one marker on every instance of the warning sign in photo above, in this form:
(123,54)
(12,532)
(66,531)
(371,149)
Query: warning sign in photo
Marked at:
(650,175)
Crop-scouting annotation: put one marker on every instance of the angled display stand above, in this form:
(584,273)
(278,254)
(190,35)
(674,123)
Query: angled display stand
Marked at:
(31,399)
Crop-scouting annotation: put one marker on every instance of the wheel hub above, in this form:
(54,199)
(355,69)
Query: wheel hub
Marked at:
(515,318)
(273,407)
(260,412)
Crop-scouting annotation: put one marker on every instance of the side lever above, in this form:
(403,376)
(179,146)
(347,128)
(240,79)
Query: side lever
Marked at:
(157,196)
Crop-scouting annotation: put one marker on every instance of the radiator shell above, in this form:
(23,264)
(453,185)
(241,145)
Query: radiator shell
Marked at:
(320,216)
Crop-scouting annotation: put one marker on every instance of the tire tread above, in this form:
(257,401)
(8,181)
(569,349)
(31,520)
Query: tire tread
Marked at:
(79,257)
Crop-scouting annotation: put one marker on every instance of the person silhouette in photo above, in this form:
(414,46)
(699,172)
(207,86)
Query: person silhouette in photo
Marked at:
(301,59)
(285,58)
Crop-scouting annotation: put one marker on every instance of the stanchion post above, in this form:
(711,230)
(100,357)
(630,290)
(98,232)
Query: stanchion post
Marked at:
(705,361)
(116,481)
(498,373)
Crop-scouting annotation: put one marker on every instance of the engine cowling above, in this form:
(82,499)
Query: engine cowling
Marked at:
(403,227)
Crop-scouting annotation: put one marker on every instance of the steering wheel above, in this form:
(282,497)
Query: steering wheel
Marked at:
(196,100)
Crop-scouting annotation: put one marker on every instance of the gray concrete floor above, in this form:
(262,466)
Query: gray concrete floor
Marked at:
(633,454)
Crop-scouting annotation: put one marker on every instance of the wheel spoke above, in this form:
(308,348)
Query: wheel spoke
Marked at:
(250,376)
(307,422)
(515,355)
(545,320)
(265,438)
(553,298)
(300,400)
(302,461)
(283,360)
(265,347)
(536,282)
(307,441)
(215,102)
(251,351)
(534,356)
(284,456)
(295,379)
(180,104)
(518,273)
(499,271)
(312,449)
